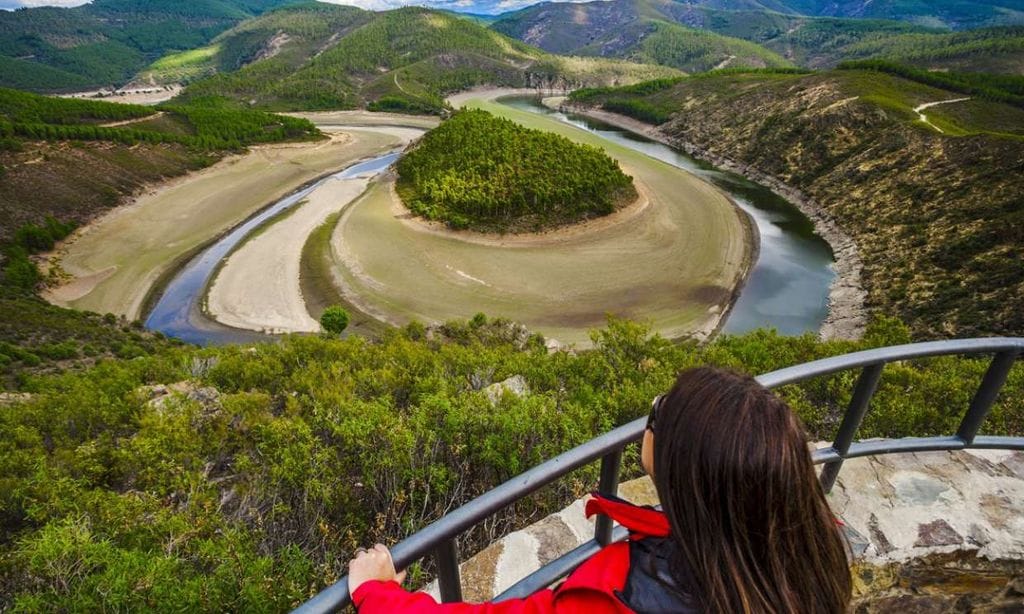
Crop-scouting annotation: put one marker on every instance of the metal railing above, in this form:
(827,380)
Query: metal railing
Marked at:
(439,539)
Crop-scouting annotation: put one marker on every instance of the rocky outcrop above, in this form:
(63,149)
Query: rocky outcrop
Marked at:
(928,532)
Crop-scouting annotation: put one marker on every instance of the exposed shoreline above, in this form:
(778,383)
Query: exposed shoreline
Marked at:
(847,315)
(718,314)
(552,236)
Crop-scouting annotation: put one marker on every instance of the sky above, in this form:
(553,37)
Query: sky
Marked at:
(477,6)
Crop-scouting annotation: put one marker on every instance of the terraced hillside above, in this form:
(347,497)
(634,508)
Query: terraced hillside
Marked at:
(405,59)
(937,215)
(106,42)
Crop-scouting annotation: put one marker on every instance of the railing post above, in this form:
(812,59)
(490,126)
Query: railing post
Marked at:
(449,583)
(867,383)
(988,390)
(608,485)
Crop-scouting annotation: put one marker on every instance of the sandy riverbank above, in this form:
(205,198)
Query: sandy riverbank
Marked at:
(258,287)
(367,118)
(847,316)
(114,261)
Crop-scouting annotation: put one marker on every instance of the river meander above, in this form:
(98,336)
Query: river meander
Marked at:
(787,288)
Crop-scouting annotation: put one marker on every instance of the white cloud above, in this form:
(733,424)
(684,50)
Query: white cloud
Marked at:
(472,6)
(16,4)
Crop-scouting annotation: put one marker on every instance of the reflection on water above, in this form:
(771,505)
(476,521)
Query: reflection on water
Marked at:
(178,312)
(788,288)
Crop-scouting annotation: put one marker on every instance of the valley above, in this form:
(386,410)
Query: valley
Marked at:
(395,269)
(335,272)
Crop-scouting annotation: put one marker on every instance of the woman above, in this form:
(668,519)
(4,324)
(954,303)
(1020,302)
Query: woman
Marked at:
(745,527)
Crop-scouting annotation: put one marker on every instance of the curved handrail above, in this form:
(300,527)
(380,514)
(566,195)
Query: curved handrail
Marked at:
(439,537)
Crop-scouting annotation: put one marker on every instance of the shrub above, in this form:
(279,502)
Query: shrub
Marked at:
(334,320)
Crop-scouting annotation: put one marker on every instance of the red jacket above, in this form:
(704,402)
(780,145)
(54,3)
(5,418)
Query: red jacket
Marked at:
(594,588)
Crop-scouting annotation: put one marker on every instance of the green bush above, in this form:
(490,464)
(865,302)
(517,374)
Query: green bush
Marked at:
(334,320)
(254,496)
(19,270)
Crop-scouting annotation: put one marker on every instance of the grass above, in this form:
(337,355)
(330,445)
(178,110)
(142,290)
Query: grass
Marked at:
(184,66)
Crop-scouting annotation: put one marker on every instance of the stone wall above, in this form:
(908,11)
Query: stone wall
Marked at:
(928,532)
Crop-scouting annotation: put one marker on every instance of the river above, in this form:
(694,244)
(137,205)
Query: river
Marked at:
(178,312)
(787,289)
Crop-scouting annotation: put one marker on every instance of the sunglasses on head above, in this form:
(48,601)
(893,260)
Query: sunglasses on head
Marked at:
(655,407)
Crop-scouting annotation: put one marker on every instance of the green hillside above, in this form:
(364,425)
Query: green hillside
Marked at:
(70,159)
(638,30)
(629,28)
(824,42)
(953,14)
(106,42)
(936,216)
(993,50)
(692,50)
(814,42)
(406,59)
(287,36)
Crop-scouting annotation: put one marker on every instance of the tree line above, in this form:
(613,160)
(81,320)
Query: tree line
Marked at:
(479,171)
(207,123)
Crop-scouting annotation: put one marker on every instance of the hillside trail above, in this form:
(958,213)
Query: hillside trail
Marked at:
(928,105)
(399,85)
(724,63)
(133,120)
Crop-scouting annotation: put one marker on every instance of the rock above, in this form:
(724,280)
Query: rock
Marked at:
(158,396)
(515,385)
(14,398)
(937,533)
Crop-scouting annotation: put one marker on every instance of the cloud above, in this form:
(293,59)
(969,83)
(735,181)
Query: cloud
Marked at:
(10,5)
(470,6)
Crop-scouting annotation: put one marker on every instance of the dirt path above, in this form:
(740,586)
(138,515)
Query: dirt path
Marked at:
(928,105)
(114,261)
(724,63)
(134,120)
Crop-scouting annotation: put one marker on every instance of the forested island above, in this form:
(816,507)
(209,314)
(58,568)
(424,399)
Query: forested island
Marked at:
(480,172)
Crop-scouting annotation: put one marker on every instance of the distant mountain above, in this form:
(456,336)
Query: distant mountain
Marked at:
(319,56)
(952,14)
(107,41)
(639,30)
(822,42)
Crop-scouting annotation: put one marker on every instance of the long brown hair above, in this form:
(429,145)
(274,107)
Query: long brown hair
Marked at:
(735,478)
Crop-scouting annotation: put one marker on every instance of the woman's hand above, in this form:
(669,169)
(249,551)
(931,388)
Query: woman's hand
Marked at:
(373,564)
